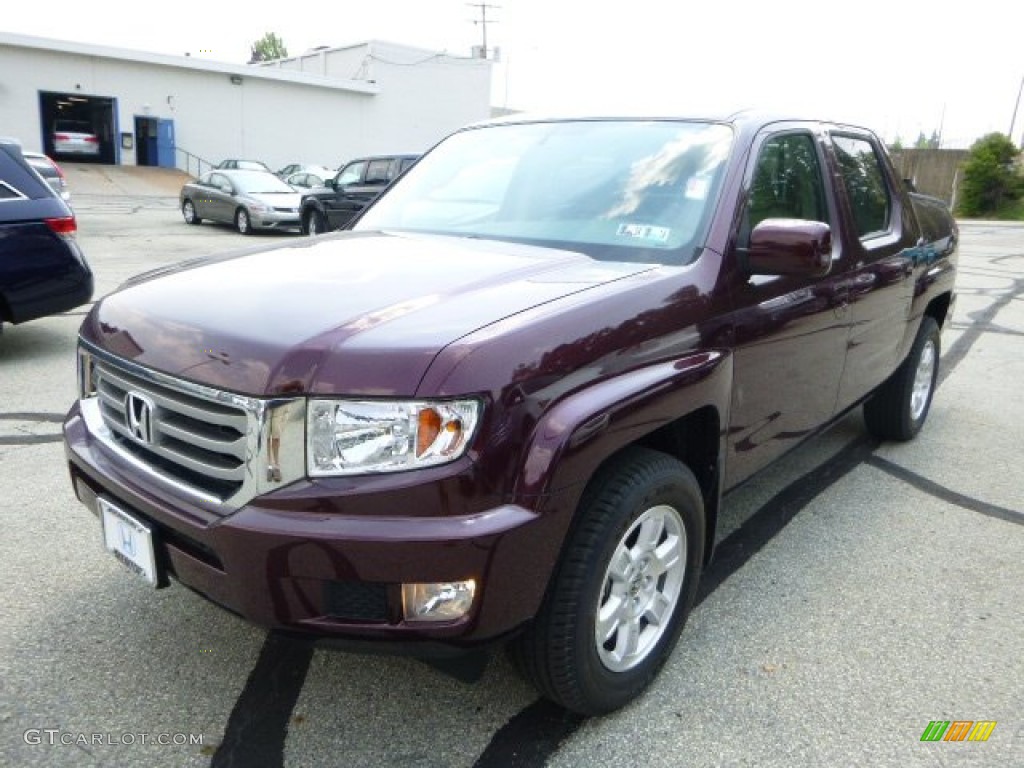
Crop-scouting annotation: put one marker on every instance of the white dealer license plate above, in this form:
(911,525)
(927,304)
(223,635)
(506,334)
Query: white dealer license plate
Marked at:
(130,541)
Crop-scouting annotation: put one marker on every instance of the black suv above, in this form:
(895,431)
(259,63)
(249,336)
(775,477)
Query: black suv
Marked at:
(357,185)
(42,269)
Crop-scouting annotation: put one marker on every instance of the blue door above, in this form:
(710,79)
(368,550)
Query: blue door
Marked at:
(165,143)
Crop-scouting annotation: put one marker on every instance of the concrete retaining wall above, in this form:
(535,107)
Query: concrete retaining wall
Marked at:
(935,172)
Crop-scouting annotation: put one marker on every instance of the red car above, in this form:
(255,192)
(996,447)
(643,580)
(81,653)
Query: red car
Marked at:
(508,406)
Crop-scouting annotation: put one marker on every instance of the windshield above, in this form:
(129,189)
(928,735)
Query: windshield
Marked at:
(259,182)
(615,190)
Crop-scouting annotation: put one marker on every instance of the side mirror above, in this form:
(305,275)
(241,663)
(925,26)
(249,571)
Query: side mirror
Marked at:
(330,184)
(226,189)
(790,247)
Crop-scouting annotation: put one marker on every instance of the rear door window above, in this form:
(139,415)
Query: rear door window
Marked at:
(19,180)
(864,180)
(7,192)
(380,171)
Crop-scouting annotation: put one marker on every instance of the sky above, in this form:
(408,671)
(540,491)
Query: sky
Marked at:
(899,67)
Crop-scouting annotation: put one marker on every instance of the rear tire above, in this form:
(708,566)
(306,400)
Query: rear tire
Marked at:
(242,222)
(188,212)
(898,409)
(624,586)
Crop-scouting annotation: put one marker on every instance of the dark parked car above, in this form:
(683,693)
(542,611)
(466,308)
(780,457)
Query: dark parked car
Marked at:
(250,200)
(241,165)
(42,269)
(509,405)
(355,186)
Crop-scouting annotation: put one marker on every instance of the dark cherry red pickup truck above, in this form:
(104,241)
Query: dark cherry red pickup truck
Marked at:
(508,404)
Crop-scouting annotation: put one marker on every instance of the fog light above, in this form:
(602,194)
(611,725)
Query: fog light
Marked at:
(442,601)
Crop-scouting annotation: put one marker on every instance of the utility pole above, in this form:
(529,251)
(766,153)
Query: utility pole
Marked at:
(482,22)
(1016,104)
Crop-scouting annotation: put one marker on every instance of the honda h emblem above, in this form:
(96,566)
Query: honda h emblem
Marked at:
(127,540)
(139,412)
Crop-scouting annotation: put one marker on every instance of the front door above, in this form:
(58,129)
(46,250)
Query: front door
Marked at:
(790,331)
(339,206)
(220,205)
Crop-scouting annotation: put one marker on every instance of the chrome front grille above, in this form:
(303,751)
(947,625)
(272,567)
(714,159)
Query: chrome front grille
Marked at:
(200,442)
(220,449)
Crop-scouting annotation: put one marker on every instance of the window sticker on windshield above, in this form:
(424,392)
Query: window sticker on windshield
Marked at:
(697,188)
(644,232)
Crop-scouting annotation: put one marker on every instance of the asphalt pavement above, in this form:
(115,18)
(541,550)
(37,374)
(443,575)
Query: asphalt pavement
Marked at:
(861,591)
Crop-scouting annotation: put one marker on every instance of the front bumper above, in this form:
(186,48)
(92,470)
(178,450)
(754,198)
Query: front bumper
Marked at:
(323,566)
(275,219)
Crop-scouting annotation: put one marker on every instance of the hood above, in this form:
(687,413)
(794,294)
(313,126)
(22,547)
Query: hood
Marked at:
(356,314)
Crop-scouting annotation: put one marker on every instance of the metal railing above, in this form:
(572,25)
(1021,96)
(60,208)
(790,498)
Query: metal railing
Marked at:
(191,164)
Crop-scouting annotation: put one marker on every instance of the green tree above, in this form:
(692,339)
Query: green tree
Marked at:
(896,146)
(268,48)
(991,179)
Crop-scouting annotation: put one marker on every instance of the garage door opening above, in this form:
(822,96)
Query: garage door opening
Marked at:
(77,128)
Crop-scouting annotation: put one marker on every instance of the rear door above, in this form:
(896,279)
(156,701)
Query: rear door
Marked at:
(880,244)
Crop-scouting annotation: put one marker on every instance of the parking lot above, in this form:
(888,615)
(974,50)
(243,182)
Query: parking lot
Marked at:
(859,592)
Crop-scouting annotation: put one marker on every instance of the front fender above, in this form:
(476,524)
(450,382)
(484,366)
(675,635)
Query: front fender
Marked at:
(573,438)
(311,204)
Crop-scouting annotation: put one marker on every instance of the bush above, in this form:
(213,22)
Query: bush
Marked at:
(991,180)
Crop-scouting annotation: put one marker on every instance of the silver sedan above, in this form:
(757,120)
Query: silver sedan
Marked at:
(250,200)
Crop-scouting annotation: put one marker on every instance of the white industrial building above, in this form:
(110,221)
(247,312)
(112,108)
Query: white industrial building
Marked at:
(323,107)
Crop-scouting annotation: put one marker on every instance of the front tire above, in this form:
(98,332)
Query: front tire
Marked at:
(898,409)
(242,222)
(188,212)
(623,589)
(315,224)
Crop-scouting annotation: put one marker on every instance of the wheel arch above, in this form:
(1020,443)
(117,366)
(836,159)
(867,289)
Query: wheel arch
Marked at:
(695,439)
(678,408)
(939,308)
(310,205)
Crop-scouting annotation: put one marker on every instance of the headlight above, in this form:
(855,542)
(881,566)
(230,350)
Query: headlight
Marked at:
(86,380)
(351,437)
